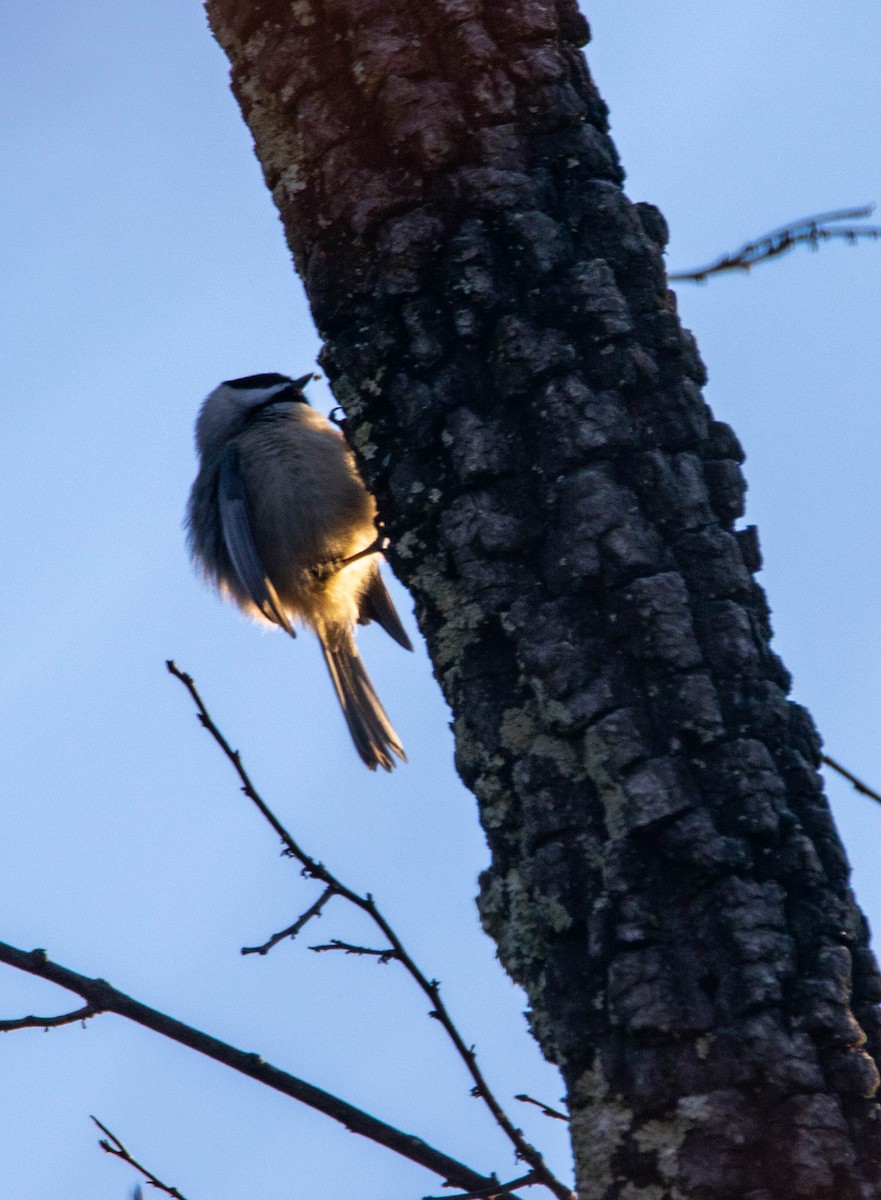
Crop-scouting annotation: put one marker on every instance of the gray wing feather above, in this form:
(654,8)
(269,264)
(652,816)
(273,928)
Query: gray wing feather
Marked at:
(239,538)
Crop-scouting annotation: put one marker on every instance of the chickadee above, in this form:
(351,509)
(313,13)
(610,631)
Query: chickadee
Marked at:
(280,522)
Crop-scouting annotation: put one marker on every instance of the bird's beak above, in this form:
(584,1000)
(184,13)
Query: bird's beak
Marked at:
(304,379)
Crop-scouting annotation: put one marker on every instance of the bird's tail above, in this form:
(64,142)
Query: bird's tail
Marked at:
(371,730)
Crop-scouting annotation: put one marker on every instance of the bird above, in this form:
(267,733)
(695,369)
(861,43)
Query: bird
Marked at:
(279,521)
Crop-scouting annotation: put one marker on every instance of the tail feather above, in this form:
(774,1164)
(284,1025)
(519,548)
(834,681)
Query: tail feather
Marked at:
(372,732)
(377,605)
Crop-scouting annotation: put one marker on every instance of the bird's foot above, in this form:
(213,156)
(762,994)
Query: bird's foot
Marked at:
(325,571)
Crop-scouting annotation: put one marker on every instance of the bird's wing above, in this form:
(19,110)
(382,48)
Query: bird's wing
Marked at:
(377,605)
(239,539)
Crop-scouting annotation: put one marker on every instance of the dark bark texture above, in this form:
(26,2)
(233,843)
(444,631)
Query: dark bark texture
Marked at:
(666,881)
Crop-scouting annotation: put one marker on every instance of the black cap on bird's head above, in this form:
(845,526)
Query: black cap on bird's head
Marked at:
(270,380)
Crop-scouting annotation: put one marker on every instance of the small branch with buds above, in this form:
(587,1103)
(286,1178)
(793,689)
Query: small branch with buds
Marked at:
(811,231)
(112,1145)
(81,1014)
(395,950)
(292,930)
(382,956)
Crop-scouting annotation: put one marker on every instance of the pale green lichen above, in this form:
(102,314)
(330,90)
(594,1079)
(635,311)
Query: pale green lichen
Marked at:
(610,794)
(346,392)
(254,44)
(280,144)
(408,545)
(664,1139)
(362,440)
(703,1045)
(290,181)
(517,730)
(372,384)
(461,622)
(554,712)
(495,814)
(495,800)
(696,1108)
(303,12)
(600,1126)
(651,1191)
(531,919)
(561,752)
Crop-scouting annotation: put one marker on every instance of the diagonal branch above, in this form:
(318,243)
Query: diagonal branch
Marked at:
(545,1108)
(292,930)
(81,1014)
(430,987)
(112,1145)
(822,227)
(106,998)
(858,784)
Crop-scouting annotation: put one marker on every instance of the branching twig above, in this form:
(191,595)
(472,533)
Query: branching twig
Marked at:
(430,987)
(861,787)
(81,1014)
(545,1108)
(381,956)
(293,930)
(812,231)
(114,1146)
(105,998)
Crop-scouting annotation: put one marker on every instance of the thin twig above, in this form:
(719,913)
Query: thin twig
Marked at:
(545,1108)
(105,998)
(857,783)
(81,1014)
(822,227)
(498,1189)
(430,987)
(115,1147)
(293,930)
(381,956)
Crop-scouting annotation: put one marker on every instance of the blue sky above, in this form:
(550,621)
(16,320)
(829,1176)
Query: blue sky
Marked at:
(142,262)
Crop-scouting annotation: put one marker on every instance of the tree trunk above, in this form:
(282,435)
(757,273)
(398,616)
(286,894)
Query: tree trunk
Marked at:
(666,882)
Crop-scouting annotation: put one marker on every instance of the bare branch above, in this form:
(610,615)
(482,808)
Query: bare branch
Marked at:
(105,998)
(292,930)
(431,987)
(499,1189)
(812,231)
(81,1014)
(545,1108)
(857,783)
(112,1145)
(382,956)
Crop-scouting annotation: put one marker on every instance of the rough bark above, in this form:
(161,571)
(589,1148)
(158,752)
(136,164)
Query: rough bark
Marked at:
(666,881)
